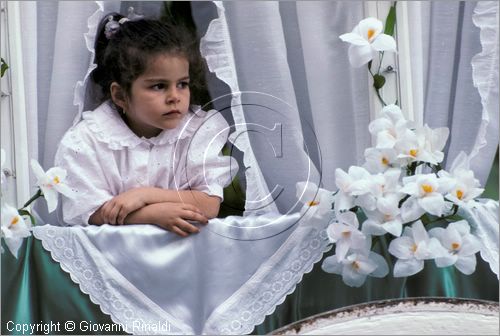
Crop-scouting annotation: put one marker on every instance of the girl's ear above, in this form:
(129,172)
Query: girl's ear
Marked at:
(118,95)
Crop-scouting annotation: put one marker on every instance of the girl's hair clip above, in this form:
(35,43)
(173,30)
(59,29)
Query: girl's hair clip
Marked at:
(113,26)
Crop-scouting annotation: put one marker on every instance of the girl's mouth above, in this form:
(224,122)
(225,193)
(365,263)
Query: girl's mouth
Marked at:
(171,113)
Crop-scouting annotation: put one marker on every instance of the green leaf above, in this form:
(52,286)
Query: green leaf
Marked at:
(3,68)
(378,81)
(27,213)
(390,21)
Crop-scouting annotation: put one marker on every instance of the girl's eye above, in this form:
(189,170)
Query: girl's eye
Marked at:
(183,85)
(159,86)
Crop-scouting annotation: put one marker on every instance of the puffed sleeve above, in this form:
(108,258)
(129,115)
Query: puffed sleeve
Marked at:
(206,169)
(77,153)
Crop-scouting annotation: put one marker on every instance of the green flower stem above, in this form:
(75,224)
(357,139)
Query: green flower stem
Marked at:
(33,198)
(455,210)
(380,98)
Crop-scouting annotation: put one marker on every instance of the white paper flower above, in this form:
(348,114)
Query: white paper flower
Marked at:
(389,127)
(356,267)
(379,223)
(366,40)
(317,202)
(345,234)
(424,144)
(463,185)
(378,160)
(412,248)
(386,190)
(461,246)
(426,195)
(51,182)
(14,228)
(354,188)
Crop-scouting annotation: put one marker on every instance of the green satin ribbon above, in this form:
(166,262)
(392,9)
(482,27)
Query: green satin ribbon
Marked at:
(36,290)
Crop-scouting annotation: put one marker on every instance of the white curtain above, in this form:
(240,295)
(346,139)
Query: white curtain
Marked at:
(291,52)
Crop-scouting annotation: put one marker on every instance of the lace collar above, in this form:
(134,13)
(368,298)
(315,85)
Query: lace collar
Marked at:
(108,127)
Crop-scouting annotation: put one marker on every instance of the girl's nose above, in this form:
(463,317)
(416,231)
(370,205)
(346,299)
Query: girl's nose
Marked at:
(172,97)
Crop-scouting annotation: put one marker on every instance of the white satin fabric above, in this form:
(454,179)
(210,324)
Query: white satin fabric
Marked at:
(219,281)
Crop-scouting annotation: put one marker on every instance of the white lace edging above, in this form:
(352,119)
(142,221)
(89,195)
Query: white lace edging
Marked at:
(105,286)
(217,50)
(485,66)
(265,290)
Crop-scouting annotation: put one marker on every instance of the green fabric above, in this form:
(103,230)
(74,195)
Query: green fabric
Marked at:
(36,290)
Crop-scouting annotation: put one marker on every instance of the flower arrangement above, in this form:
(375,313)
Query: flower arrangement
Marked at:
(400,195)
(15,225)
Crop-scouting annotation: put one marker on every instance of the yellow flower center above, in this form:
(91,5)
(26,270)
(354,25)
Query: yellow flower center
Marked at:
(371,32)
(385,162)
(413,152)
(413,248)
(460,194)
(56,180)
(312,203)
(15,220)
(346,234)
(427,188)
(355,265)
(455,246)
(387,218)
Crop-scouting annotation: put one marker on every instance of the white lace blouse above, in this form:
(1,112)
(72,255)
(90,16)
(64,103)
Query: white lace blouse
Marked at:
(104,158)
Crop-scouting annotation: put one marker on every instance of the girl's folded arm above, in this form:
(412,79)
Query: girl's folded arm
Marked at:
(170,216)
(209,205)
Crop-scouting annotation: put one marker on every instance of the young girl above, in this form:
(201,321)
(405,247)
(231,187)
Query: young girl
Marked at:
(145,155)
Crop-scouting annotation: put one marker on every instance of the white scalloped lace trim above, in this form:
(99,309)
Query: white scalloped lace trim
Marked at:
(106,287)
(259,297)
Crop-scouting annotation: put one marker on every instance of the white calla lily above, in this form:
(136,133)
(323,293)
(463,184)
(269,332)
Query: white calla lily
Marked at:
(412,248)
(366,40)
(461,246)
(51,182)
(14,228)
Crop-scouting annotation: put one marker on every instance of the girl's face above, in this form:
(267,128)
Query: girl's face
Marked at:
(159,97)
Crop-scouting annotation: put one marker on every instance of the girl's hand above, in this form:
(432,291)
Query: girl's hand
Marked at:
(119,207)
(174,216)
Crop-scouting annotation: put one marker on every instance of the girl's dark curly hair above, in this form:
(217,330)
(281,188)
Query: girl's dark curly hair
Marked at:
(124,57)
